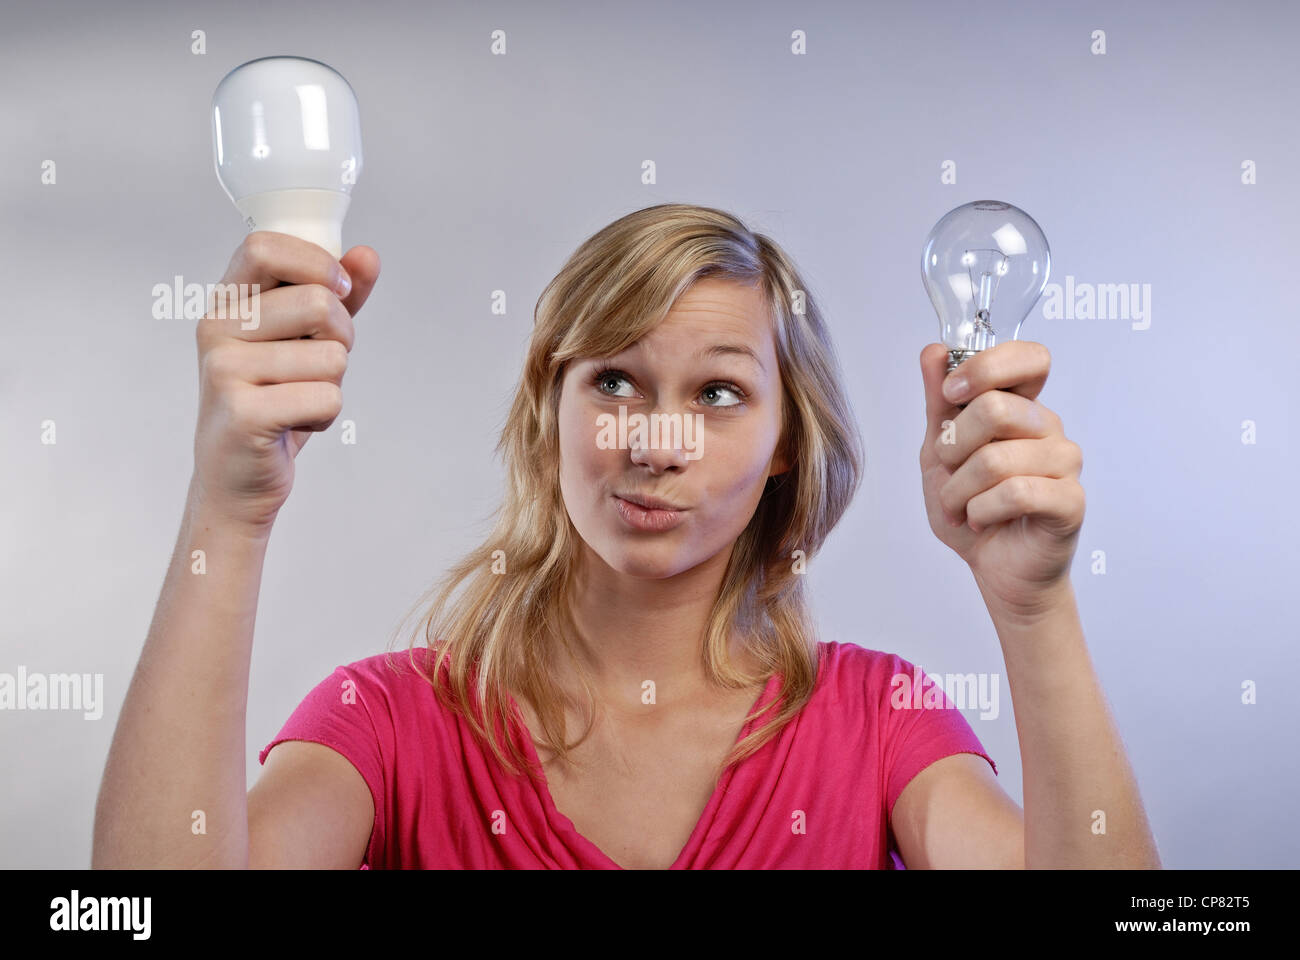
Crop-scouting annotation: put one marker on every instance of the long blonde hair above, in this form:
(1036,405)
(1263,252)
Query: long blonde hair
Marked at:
(508,625)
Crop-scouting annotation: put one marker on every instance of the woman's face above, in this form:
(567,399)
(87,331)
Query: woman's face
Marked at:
(711,463)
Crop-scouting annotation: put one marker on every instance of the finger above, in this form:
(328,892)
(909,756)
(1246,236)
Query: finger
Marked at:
(268,259)
(362,264)
(996,462)
(277,407)
(1058,504)
(995,415)
(279,361)
(286,313)
(1017,366)
(934,367)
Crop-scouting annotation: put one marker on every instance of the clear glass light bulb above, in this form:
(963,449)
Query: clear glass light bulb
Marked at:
(286,137)
(985,264)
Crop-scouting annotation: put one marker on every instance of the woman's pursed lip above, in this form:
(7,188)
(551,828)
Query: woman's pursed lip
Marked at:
(648,503)
(647,519)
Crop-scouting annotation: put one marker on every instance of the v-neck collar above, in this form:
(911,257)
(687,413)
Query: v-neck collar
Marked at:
(561,824)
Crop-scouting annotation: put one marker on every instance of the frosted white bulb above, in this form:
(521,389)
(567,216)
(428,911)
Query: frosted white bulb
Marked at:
(286,137)
(984,266)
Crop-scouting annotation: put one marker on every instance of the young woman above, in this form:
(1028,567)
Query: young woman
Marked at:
(679,447)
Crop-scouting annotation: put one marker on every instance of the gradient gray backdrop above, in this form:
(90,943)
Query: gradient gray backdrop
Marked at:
(484,172)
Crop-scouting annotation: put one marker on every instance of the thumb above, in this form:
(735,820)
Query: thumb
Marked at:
(934,370)
(362,265)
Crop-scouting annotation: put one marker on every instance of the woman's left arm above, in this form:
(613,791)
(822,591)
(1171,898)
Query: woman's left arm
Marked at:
(1002,490)
(1082,807)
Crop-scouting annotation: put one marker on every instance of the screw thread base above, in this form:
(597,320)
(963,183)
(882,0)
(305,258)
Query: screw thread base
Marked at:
(957,357)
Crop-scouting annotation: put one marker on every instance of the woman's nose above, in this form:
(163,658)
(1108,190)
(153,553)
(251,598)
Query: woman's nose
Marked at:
(663,445)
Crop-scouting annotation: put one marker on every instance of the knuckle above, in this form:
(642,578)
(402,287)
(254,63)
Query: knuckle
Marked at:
(995,461)
(318,303)
(1076,457)
(945,443)
(341,322)
(329,396)
(242,409)
(336,355)
(984,403)
(997,407)
(257,248)
(945,501)
(218,364)
(1021,492)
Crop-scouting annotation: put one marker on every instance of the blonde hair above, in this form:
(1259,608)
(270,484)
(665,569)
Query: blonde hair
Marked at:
(504,631)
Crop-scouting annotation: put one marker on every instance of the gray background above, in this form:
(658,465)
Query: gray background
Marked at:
(485,172)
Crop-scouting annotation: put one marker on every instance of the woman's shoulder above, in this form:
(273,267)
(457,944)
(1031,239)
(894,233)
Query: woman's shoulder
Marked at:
(394,666)
(395,677)
(843,656)
(850,668)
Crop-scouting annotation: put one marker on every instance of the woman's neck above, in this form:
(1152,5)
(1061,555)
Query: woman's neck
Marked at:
(631,630)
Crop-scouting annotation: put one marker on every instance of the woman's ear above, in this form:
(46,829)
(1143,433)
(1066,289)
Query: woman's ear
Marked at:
(781,460)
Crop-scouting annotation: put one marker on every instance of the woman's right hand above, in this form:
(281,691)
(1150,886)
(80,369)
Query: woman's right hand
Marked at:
(263,391)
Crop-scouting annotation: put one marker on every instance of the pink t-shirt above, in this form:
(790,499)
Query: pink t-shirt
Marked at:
(818,795)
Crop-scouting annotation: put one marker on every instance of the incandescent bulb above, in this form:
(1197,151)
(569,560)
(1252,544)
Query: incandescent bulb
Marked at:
(286,137)
(985,264)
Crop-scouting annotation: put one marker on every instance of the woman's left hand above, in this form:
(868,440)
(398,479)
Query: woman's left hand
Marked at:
(1004,470)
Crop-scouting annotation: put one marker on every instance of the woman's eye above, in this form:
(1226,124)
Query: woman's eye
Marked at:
(603,378)
(607,376)
(715,387)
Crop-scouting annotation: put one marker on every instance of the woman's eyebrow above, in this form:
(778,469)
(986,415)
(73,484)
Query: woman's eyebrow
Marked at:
(721,349)
(718,349)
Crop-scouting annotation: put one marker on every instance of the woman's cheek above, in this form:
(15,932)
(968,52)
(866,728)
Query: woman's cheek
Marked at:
(739,475)
(578,441)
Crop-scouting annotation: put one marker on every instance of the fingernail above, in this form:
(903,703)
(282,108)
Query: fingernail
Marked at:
(954,388)
(343,285)
(954,522)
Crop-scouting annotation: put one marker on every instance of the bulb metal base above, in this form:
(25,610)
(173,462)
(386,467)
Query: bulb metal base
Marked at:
(957,357)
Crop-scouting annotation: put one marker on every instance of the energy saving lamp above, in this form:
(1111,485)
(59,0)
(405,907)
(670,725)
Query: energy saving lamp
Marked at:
(286,138)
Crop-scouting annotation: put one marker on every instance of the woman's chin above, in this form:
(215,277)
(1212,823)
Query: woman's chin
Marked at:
(646,565)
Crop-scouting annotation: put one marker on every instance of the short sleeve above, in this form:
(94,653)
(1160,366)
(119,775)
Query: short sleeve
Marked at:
(337,713)
(922,725)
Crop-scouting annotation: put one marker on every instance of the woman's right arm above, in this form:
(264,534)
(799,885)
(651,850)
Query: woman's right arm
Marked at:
(174,791)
